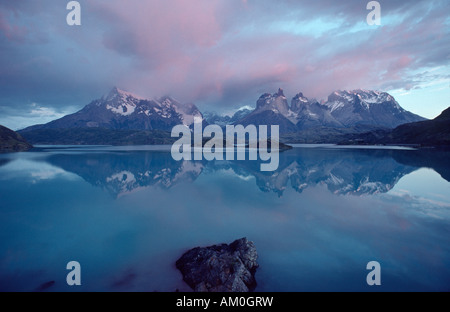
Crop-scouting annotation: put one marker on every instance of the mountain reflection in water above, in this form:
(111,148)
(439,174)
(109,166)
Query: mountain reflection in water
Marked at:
(343,171)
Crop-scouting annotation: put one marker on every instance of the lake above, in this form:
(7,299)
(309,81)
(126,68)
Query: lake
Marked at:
(126,214)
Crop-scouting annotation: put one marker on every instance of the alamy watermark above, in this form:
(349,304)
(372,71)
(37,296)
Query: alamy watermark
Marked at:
(237,143)
(74,276)
(374,16)
(374,277)
(74,16)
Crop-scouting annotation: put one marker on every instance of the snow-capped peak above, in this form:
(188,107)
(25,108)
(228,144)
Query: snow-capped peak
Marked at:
(121,102)
(368,107)
(125,103)
(245,108)
(339,99)
(300,98)
(187,112)
(118,93)
(276,102)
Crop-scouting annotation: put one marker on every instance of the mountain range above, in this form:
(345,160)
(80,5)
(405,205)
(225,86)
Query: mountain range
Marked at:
(343,109)
(121,118)
(121,110)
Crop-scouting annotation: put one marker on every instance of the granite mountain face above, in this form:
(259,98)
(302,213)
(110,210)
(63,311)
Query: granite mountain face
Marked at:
(368,107)
(343,109)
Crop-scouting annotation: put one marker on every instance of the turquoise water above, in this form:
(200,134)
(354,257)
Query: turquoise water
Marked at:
(127,214)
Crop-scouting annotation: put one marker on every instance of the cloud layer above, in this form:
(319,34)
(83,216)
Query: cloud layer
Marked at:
(220,54)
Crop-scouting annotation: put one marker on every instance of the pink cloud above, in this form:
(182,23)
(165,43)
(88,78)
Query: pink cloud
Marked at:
(160,31)
(12,32)
(202,50)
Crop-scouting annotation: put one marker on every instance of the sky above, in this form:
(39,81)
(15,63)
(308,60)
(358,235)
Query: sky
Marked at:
(219,54)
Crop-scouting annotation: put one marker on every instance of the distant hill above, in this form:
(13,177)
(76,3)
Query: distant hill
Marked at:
(11,141)
(434,132)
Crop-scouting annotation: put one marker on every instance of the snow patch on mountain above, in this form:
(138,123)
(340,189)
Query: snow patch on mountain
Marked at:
(335,105)
(125,109)
(121,102)
(123,95)
(187,112)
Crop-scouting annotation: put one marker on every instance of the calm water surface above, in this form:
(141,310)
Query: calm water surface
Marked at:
(127,214)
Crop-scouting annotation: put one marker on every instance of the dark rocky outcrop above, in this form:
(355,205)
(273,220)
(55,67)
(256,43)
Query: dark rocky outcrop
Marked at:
(45,286)
(434,132)
(11,141)
(220,268)
(429,133)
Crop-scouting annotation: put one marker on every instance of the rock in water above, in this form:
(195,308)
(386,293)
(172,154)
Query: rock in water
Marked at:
(220,268)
